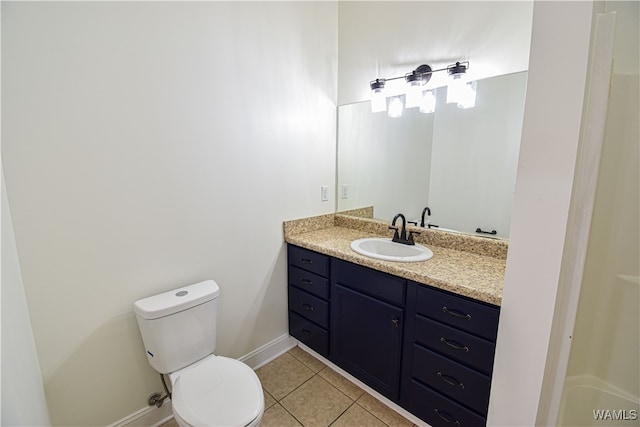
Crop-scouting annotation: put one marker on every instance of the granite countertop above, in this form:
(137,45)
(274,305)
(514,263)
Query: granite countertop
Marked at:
(476,276)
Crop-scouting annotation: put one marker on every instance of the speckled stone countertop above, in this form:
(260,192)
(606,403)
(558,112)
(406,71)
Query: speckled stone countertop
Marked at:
(459,271)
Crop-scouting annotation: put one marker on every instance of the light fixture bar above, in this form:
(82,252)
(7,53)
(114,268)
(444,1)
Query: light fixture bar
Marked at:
(415,81)
(425,71)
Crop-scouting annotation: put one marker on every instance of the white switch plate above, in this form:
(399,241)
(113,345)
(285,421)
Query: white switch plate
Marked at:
(324,193)
(345,191)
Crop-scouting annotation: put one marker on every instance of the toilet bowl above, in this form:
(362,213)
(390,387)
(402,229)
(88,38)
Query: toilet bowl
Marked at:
(218,391)
(178,330)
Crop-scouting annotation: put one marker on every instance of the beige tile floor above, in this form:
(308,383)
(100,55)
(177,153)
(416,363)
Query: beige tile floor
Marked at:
(300,390)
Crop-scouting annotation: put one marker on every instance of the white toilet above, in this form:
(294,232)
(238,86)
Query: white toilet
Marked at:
(179,333)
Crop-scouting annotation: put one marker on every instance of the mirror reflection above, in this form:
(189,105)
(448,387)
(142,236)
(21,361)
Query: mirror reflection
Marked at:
(461,163)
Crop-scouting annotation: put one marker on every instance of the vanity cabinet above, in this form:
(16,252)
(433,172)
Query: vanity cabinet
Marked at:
(308,277)
(428,350)
(367,320)
(447,356)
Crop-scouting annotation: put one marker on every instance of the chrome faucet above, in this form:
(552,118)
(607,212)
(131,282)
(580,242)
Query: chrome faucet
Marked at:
(402,236)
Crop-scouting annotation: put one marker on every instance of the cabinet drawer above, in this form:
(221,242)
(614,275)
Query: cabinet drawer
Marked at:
(308,260)
(468,349)
(309,306)
(309,282)
(469,316)
(309,334)
(438,410)
(370,282)
(452,379)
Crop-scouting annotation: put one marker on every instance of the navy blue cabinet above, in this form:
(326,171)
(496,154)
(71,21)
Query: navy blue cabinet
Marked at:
(429,350)
(309,298)
(367,321)
(447,357)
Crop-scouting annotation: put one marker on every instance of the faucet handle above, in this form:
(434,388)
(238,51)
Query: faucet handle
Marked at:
(411,233)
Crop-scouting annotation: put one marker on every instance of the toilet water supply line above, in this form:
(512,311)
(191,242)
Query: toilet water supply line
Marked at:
(156,398)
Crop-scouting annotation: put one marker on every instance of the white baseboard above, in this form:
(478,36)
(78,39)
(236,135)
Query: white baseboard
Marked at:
(153,417)
(146,417)
(408,415)
(265,354)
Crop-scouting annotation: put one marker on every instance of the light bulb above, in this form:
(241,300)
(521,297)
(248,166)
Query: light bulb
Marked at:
(458,73)
(456,88)
(467,96)
(378,99)
(428,102)
(413,95)
(395,107)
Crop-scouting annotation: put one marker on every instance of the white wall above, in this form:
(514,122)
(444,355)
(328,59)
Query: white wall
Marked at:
(23,400)
(151,145)
(550,136)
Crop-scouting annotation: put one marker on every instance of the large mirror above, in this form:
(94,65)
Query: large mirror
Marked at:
(461,163)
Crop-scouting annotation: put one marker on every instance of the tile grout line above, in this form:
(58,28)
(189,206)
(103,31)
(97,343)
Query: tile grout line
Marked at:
(310,378)
(283,397)
(278,401)
(353,401)
(372,414)
(289,412)
(292,391)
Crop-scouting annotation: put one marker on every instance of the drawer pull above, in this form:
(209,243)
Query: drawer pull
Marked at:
(454,344)
(307,306)
(306,282)
(456,313)
(446,417)
(306,260)
(395,322)
(307,333)
(450,380)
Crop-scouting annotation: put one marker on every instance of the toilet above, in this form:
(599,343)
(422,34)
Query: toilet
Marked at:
(178,329)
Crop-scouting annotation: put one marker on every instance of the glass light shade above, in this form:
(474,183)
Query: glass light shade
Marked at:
(455,88)
(395,107)
(428,102)
(378,100)
(414,94)
(467,96)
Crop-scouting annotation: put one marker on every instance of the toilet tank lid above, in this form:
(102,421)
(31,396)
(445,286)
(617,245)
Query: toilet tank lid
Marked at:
(177,300)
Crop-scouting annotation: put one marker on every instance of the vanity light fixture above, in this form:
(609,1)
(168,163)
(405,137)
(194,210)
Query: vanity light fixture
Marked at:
(458,90)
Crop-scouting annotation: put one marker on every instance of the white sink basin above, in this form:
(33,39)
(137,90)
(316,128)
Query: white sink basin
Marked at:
(382,248)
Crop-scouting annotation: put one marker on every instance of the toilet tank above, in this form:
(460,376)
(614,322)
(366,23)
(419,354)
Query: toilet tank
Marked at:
(178,327)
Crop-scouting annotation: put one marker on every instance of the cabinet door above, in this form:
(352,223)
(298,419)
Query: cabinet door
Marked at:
(366,336)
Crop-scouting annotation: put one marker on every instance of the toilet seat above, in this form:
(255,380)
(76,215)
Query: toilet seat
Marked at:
(218,392)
